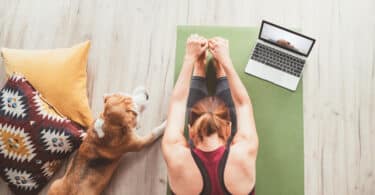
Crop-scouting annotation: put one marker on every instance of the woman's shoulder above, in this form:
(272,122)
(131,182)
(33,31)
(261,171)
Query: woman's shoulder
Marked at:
(177,157)
(244,149)
(243,157)
(239,175)
(181,171)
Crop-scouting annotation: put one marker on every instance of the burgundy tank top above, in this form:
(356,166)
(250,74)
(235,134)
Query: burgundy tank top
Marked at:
(211,165)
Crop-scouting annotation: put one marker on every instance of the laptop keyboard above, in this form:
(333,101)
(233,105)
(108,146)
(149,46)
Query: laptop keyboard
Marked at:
(278,59)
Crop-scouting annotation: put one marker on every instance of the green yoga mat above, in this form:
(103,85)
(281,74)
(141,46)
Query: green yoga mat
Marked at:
(278,114)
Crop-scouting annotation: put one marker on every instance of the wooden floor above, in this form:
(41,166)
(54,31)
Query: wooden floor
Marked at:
(133,43)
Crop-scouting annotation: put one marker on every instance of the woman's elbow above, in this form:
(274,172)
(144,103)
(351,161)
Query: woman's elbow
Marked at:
(168,141)
(244,101)
(253,145)
(165,145)
(165,142)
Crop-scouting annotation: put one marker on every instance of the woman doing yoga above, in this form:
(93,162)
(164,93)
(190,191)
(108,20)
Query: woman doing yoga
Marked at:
(220,156)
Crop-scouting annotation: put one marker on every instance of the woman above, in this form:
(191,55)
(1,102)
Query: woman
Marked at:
(221,153)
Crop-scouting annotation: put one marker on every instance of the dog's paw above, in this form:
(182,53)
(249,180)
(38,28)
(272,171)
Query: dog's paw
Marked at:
(159,130)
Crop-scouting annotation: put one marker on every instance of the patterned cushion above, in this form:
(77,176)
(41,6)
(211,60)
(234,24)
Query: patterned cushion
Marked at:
(64,73)
(34,137)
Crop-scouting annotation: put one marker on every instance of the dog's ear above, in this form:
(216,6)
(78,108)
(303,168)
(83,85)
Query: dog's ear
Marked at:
(105,97)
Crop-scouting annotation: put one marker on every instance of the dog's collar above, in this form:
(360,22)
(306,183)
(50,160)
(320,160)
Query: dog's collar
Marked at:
(98,127)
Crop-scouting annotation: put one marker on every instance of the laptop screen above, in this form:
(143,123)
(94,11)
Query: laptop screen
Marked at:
(287,39)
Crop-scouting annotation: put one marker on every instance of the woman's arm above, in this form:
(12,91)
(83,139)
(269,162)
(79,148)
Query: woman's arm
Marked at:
(177,106)
(174,134)
(246,130)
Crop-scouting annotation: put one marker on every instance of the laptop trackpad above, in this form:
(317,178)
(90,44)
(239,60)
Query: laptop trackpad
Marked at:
(263,71)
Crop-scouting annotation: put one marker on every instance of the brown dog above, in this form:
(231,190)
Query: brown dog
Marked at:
(112,135)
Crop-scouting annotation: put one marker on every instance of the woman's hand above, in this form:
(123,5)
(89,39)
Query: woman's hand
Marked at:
(196,47)
(219,49)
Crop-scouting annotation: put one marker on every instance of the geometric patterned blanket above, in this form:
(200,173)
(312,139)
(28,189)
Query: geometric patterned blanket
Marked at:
(34,137)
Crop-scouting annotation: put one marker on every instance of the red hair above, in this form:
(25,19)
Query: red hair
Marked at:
(208,116)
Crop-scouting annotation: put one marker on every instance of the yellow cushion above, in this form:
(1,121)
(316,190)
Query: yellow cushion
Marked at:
(60,75)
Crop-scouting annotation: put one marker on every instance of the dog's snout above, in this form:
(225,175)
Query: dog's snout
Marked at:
(140,98)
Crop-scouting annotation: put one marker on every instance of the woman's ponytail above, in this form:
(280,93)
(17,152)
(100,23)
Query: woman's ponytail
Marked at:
(208,116)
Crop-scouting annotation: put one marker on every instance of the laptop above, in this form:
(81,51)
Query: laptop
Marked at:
(279,55)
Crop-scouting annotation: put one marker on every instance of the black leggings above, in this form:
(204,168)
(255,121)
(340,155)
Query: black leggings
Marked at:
(198,91)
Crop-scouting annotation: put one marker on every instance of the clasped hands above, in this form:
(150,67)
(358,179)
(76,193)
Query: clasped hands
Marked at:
(197,46)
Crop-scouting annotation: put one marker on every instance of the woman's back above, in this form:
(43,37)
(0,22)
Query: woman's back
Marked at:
(195,172)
